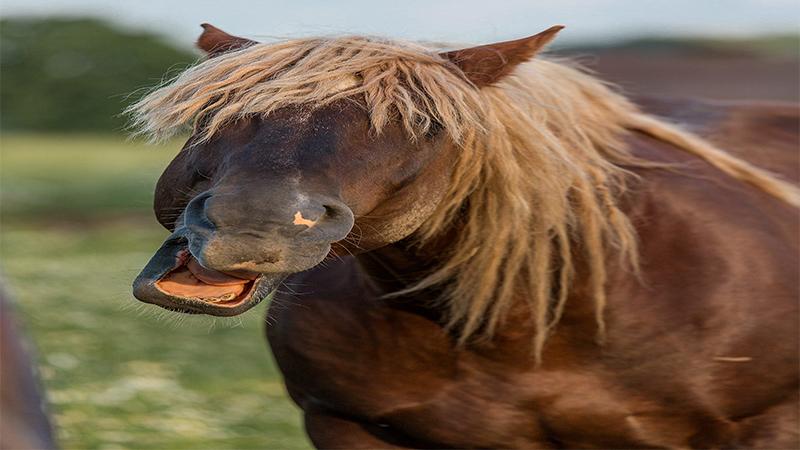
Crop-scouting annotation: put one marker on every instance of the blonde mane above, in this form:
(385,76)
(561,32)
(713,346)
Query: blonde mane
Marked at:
(538,176)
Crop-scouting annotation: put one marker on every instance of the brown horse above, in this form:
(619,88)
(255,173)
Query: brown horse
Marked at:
(487,249)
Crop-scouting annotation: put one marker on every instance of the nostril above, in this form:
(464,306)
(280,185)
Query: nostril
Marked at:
(195,216)
(338,220)
(330,211)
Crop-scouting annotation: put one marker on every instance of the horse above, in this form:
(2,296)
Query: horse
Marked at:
(485,247)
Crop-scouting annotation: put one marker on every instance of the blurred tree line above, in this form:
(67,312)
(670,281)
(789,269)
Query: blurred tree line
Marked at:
(77,74)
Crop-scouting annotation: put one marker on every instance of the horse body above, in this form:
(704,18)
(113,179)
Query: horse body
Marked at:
(538,262)
(702,353)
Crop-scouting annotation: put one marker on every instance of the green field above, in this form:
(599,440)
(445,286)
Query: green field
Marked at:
(76,228)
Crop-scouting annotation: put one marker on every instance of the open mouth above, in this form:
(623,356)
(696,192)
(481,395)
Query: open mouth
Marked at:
(190,280)
(175,280)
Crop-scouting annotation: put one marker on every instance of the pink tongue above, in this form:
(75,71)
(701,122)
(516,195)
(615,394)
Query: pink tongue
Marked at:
(213,277)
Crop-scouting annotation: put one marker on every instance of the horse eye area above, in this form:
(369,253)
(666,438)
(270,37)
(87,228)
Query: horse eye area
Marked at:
(189,279)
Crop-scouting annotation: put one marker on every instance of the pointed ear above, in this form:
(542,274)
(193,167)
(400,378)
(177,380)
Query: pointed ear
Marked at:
(214,41)
(487,64)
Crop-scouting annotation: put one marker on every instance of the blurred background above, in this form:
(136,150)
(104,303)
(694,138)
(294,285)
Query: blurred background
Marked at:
(75,195)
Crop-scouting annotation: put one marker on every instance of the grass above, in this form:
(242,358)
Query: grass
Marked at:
(76,228)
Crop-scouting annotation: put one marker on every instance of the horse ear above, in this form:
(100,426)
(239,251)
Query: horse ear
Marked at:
(487,64)
(214,41)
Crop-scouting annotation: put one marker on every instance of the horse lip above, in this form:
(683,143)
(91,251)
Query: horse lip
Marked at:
(167,258)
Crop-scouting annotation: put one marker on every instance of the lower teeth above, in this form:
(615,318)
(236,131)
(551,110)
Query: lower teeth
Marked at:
(225,298)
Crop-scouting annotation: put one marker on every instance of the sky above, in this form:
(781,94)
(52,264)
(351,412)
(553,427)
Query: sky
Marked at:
(465,21)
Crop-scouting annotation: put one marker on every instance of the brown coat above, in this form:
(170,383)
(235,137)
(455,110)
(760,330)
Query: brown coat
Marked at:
(703,353)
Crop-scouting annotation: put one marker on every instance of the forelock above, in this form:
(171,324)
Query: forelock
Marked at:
(394,81)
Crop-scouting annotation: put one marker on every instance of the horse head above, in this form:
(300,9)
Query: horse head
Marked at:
(268,195)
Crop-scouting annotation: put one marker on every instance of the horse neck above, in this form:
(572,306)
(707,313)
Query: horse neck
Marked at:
(400,265)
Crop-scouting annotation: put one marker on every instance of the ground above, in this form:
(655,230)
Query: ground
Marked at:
(76,228)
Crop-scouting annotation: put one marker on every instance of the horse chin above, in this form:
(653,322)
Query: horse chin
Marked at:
(174,280)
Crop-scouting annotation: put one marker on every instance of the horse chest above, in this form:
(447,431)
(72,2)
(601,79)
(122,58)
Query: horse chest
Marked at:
(397,369)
